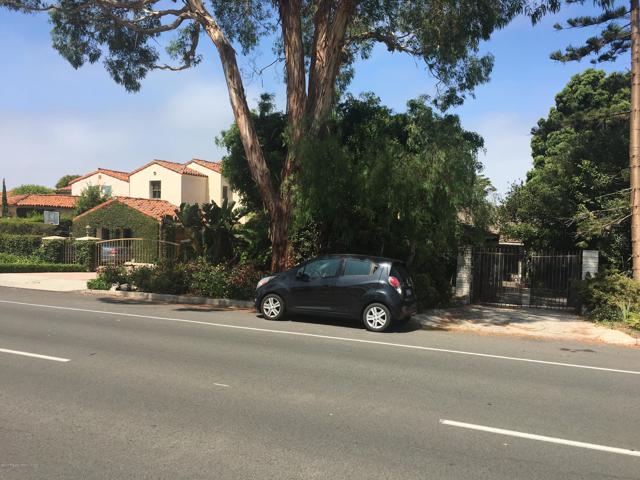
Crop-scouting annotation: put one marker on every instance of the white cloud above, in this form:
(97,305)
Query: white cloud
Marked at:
(41,146)
(507,139)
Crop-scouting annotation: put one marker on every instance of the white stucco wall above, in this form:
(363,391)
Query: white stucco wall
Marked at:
(119,188)
(214,180)
(194,189)
(171,183)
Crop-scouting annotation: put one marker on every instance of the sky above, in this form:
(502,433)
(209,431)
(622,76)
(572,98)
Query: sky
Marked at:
(55,120)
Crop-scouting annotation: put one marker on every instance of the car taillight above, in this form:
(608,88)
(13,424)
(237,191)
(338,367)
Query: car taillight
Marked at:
(395,283)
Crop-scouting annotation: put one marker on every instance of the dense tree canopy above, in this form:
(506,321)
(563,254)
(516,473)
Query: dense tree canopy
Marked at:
(576,194)
(91,196)
(65,180)
(31,189)
(405,185)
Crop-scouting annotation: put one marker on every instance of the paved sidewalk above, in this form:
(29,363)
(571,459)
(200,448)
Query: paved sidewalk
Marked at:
(52,281)
(525,322)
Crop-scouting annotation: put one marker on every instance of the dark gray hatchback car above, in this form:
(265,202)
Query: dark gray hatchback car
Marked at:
(375,289)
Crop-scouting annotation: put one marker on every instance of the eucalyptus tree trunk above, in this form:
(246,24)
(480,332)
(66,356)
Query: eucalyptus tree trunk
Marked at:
(634,141)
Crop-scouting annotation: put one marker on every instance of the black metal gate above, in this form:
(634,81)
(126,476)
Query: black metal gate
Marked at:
(513,276)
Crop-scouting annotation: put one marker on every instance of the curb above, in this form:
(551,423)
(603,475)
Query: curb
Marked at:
(183,299)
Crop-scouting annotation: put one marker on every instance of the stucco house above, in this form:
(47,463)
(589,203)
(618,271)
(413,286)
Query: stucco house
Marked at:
(126,217)
(163,184)
(111,182)
(23,205)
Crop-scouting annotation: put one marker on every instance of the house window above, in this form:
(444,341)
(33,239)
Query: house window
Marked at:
(225,194)
(154,189)
(106,190)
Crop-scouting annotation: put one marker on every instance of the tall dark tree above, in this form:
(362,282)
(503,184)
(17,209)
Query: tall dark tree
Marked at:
(65,180)
(576,193)
(5,200)
(318,40)
(619,35)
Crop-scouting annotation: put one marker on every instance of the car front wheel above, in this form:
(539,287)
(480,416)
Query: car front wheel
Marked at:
(272,307)
(376,317)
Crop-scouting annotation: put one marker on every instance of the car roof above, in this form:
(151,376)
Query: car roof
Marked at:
(374,258)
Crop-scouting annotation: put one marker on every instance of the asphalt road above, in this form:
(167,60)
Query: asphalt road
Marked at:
(166,391)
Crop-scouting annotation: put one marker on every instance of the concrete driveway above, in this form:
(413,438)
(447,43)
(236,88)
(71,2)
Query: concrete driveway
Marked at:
(526,322)
(51,281)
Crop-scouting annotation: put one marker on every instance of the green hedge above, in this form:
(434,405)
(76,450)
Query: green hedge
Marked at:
(26,226)
(40,267)
(19,244)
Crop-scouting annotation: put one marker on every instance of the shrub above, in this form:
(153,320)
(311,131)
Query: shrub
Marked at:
(51,251)
(86,254)
(40,267)
(6,258)
(209,280)
(19,244)
(170,277)
(98,284)
(26,226)
(612,297)
(111,275)
(241,282)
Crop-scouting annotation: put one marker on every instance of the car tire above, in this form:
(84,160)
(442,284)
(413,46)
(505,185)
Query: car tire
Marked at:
(272,307)
(376,317)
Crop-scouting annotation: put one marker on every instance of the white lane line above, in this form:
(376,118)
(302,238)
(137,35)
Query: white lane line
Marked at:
(329,337)
(542,438)
(34,355)
(221,385)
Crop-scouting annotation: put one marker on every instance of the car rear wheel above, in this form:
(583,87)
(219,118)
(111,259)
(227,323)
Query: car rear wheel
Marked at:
(272,306)
(376,317)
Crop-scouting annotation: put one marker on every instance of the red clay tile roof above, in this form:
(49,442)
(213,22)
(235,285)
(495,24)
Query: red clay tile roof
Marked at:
(176,167)
(13,199)
(156,209)
(215,166)
(49,200)
(64,189)
(124,176)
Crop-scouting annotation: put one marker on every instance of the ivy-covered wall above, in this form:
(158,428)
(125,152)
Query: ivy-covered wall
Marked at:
(117,216)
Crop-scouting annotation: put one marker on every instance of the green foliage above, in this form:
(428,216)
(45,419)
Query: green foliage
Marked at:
(65,180)
(26,226)
(613,40)
(254,245)
(25,245)
(221,281)
(31,189)
(98,284)
(5,200)
(40,267)
(113,274)
(91,196)
(211,229)
(51,251)
(117,216)
(361,185)
(612,297)
(576,195)
(86,254)
(270,127)
(6,258)
(445,35)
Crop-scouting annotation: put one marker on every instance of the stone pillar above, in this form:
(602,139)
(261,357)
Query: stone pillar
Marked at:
(589,263)
(464,276)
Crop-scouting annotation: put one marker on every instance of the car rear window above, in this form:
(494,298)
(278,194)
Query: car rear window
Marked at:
(356,266)
(399,271)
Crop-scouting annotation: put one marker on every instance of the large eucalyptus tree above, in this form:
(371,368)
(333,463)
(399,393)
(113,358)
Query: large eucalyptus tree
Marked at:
(318,41)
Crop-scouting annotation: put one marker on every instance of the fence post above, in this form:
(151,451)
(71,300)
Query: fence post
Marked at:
(589,263)
(464,275)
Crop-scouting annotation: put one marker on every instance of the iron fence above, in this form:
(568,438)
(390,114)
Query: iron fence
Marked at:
(135,251)
(512,276)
